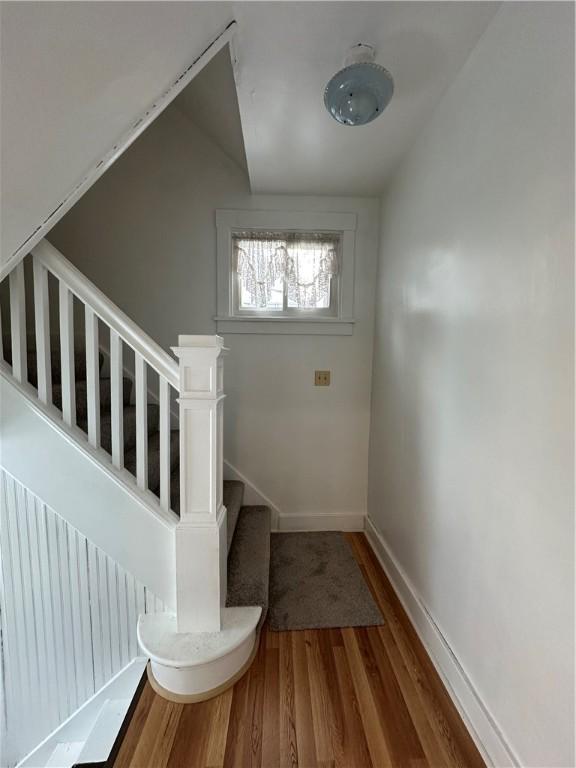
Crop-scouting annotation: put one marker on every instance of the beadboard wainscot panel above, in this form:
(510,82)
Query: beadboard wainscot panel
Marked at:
(68,617)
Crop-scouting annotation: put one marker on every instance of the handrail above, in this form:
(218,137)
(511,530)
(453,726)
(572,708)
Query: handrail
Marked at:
(107,311)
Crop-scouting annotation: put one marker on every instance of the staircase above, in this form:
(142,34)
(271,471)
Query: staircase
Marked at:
(253,538)
(156,428)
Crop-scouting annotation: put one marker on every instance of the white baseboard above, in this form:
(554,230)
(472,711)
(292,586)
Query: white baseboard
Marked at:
(252,494)
(302,521)
(321,521)
(482,727)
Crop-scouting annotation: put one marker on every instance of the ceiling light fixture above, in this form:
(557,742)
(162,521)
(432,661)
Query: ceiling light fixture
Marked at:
(361,91)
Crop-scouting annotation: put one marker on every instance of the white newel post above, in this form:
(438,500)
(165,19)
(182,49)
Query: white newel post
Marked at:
(201,533)
(204,646)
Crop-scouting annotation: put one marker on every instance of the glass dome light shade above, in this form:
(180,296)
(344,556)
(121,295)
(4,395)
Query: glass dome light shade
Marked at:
(359,93)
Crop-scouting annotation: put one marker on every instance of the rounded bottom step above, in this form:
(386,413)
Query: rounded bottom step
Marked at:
(189,667)
(194,698)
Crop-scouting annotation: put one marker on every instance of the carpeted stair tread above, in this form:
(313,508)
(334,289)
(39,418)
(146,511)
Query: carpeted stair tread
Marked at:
(81,403)
(233,497)
(79,364)
(129,418)
(249,559)
(154,458)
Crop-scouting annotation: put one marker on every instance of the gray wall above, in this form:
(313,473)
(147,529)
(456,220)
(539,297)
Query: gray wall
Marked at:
(471,453)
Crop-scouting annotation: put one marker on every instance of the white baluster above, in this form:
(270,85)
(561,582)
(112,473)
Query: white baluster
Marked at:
(141,422)
(66,303)
(164,403)
(117,401)
(92,376)
(201,532)
(42,324)
(18,323)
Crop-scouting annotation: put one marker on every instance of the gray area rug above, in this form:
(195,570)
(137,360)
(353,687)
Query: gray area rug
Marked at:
(316,583)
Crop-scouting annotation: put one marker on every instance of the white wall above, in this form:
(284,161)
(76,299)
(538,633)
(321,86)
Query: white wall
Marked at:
(145,234)
(471,455)
(75,77)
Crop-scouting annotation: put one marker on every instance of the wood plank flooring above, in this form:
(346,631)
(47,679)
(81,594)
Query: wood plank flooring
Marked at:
(350,698)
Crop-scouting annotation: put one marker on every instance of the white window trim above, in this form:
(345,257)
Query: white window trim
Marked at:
(305,221)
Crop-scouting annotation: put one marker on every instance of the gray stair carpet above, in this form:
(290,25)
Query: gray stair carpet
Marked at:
(154,458)
(129,413)
(249,559)
(81,402)
(233,496)
(79,363)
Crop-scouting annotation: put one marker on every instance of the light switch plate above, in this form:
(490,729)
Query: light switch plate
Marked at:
(321,378)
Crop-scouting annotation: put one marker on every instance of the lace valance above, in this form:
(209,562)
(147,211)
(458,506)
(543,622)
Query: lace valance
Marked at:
(285,270)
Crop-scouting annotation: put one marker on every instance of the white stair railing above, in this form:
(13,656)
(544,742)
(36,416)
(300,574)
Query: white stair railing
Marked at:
(123,333)
(198,573)
(200,535)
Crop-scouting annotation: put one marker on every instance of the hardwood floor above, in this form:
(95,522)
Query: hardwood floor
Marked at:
(327,698)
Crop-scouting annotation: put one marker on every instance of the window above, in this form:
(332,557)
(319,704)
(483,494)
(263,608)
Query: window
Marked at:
(285,272)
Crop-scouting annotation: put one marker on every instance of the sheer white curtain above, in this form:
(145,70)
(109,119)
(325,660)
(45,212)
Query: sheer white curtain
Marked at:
(291,270)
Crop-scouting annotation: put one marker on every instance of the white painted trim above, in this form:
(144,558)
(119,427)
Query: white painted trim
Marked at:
(321,521)
(137,128)
(287,320)
(482,726)
(305,221)
(253,496)
(78,726)
(281,326)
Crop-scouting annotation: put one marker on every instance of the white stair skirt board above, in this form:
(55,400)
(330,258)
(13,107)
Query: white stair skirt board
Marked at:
(198,665)
(482,727)
(99,743)
(65,754)
(94,726)
(253,496)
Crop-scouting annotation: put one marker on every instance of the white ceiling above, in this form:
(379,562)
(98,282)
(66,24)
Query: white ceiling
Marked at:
(286,54)
(74,78)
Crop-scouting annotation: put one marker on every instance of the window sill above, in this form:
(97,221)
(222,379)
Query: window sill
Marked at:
(319,326)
